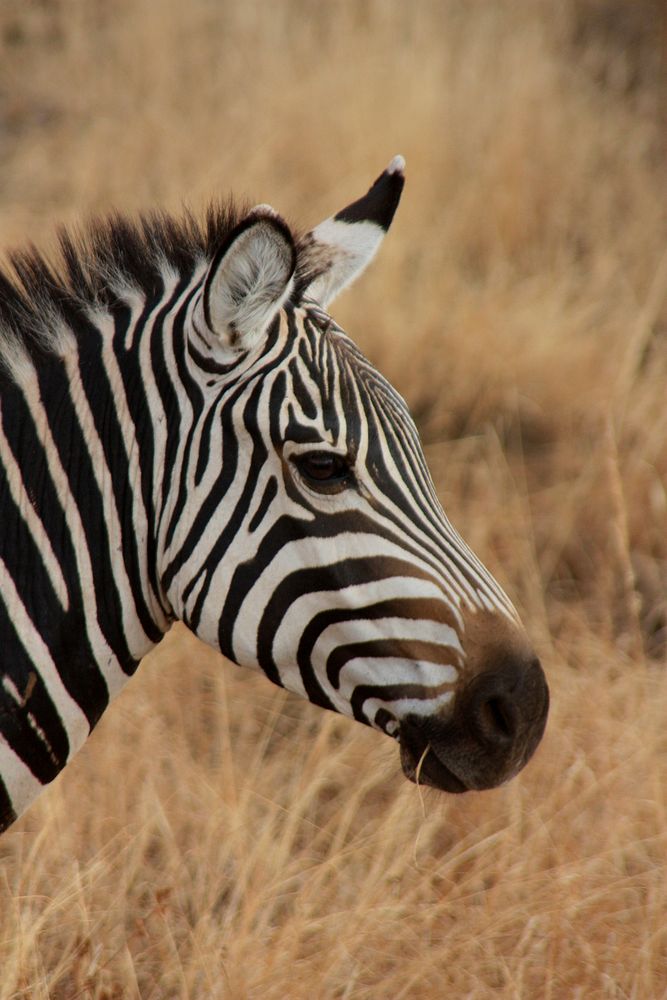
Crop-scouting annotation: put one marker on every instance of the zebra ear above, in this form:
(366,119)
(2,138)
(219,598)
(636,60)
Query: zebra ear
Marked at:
(249,279)
(344,244)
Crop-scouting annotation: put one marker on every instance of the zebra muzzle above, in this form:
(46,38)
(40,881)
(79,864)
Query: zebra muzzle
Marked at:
(486,737)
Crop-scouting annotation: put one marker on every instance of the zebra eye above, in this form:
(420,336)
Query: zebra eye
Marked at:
(324,471)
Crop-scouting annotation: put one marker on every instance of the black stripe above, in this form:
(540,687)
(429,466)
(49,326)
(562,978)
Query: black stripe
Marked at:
(129,365)
(76,461)
(300,392)
(25,564)
(236,517)
(393,692)
(178,485)
(103,407)
(348,573)
(69,643)
(269,495)
(36,705)
(7,814)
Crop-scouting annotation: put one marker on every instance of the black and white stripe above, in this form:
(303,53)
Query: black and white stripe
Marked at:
(186,434)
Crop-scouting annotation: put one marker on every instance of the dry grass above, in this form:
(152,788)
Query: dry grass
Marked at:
(217,838)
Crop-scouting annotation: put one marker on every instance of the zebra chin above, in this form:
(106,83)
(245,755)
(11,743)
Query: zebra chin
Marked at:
(485,737)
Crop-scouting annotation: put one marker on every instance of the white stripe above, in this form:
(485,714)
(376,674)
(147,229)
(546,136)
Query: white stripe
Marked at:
(158,417)
(126,424)
(137,640)
(304,609)
(393,671)
(299,555)
(402,707)
(21,784)
(31,519)
(104,656)
(397,629)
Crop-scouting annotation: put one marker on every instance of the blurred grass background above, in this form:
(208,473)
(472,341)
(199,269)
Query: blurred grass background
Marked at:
(217,838)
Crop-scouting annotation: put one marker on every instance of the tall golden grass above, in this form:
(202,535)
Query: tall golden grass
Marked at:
(217,838)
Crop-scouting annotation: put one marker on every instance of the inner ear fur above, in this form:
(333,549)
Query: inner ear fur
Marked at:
(249,279)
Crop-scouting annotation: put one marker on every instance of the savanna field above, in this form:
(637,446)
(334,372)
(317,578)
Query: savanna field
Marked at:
(217,837)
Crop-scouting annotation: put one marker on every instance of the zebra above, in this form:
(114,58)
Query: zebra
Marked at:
(187,434)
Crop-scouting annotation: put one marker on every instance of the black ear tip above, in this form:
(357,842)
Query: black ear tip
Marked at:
(379,204)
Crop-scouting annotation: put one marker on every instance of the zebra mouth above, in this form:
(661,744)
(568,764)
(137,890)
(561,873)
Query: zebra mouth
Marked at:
(422,766)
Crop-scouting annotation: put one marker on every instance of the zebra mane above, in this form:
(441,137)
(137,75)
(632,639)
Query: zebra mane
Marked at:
(94,266)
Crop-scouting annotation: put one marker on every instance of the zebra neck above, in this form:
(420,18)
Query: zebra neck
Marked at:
(79,602)
(79,606)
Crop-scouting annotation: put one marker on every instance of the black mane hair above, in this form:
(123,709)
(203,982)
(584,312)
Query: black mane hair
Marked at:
(95,264)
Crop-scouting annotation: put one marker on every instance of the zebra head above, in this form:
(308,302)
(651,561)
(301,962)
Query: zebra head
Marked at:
(311,543)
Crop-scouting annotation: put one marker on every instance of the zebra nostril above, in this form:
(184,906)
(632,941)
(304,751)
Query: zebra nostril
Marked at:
(494,719)
(507,705)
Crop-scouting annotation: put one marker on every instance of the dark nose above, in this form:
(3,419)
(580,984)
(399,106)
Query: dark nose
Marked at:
(497,720)
(501,703)
(506,705)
